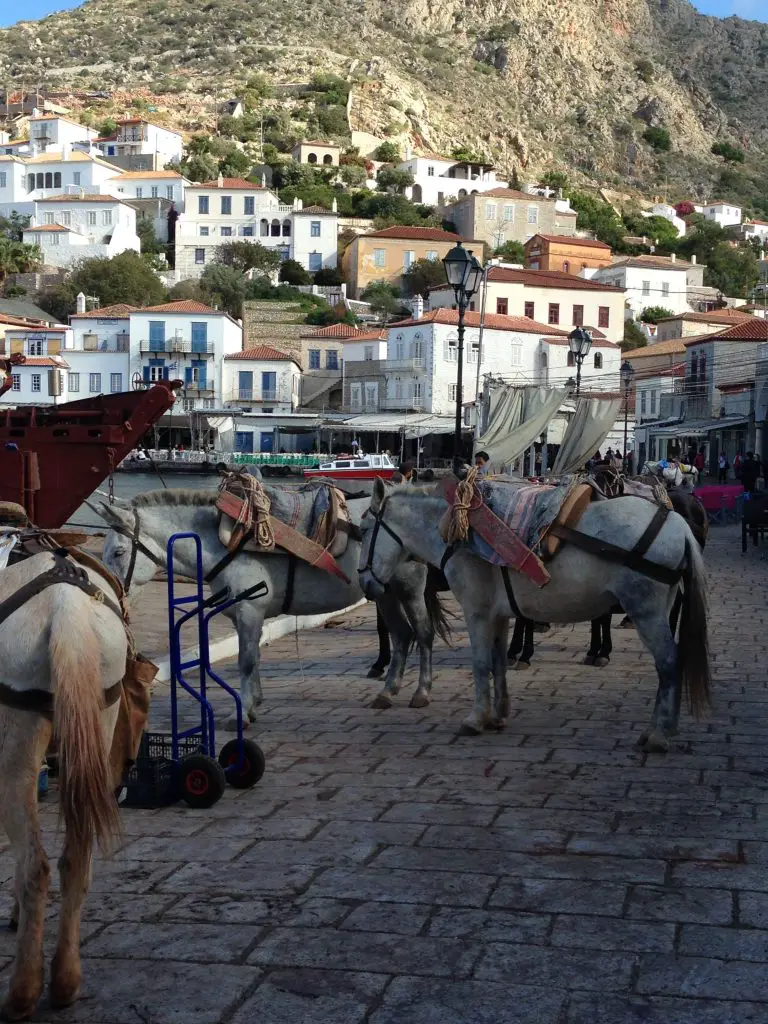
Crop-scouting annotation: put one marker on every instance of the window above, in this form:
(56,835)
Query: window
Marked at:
(169,192)
(314,228)
(653,403)
(379,258)
(106,218)
(204,230)
(398,387)
(248,231)
(54,239)
(263,227)
(553,316)
(451,392)
(66,219)
(48,179)
(399,347)
(430,172)
(91,218)
(16,378)
(287,229)
(566,267)
(603,316)
(47,218)
(115,382)
(248,206)
(314,359)
(154,191)
(598,360)
(199,256)
(225,232)
(57,179)
(139,193)
(664,291)
(694,367)
(76,178)
(646,287)
(202,204)
(368,353)
(533,215)
(502,306)
(36,379)
(490,211)
(226,205)
(417,389)
(528,310)
(409,257)
(433,255)
(73,383)
(332,359)
(94,383)
(3,179)
(578,316)
(570,361)
(516,355)
(451,350)
(315,261)
(643,402)
(703,368)
(509,211)
(36,348)
(543,360)
(274,228)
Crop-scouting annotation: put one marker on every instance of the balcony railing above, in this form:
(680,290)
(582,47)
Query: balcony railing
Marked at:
(195,391)
(182,346)
(410,365)
(253,395)
(404,404)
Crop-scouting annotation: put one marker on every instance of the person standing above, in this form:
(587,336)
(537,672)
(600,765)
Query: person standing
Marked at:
(699,462)
(737,464)
(750,471)
(722,468)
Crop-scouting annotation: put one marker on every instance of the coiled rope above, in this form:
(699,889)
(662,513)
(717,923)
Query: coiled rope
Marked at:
(454,526)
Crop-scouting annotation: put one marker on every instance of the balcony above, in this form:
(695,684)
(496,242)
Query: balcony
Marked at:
(253,395)
(413,365)
(403,404)
(193,391)
(179,346)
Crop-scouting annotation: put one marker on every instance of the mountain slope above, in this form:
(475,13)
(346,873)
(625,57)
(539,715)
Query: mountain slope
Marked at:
(529,83)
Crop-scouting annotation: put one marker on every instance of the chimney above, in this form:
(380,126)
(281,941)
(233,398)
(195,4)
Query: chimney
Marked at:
(673,257)
(301,204)
(80,300)
(220,180)
(762,255)
(417,306)
(334,206)
(693,259)
(645,240)
(263,180)
(295,202)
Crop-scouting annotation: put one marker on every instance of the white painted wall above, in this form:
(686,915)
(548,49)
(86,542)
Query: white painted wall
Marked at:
(648,286)
(287,384)
(431,175)
(355,351)
(131,186)
(93,229)
(723,214)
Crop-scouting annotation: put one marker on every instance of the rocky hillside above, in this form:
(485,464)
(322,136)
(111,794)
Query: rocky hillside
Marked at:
(531,84)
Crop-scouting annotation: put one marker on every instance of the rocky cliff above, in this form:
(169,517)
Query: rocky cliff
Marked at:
(531,84)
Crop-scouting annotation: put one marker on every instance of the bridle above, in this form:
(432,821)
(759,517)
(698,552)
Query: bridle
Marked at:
(137,546)
(378,524)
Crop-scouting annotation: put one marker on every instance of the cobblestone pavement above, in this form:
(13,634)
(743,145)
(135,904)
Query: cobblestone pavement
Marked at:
(386,871)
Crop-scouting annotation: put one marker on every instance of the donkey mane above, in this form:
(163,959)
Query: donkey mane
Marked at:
(174,496)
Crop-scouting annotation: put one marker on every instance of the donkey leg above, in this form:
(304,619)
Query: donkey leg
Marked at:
(666,712)
(75,874)
(524,661)
(594,642)
(481,639)
(606,644)
(518,635)
(401,635)
(23,741)
(416,612)
(376,671)
(249,622)
(499,662)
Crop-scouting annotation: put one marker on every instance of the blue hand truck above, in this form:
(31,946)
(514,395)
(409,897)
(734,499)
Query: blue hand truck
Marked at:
(183,764)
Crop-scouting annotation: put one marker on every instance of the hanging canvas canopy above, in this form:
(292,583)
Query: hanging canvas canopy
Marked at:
(517,418)
(587,430)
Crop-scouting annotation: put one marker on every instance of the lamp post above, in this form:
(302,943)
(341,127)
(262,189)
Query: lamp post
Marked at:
(626,373)
(579,342)
(464,274)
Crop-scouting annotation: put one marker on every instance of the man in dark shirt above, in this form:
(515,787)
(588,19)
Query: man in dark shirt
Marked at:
(750,471)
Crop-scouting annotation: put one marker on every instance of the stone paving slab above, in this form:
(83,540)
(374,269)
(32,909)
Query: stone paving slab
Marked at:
(386,870)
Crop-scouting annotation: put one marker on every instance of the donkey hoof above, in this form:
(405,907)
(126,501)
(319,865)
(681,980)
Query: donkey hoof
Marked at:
(541,627)
(511,660)
(470,728)
(64,989)
(374,672)
(419,700)
(17,1009)
(589,659)
(626,623)
(382,701)
(602,661)
(521,666)
(497,724)
(653,741)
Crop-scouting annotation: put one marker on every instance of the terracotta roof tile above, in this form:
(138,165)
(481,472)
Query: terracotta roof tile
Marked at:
(380,335)
(317,210)
(652,263)
(136,175)
(119,309)
(49,227)
(334,331)
(671,347)
(591,243)
(547,279)
(754,329)
(45,361)
(493,321)
(229,184)
(714,316)
(264,352)
(415,234)
(182,306)
(96,197)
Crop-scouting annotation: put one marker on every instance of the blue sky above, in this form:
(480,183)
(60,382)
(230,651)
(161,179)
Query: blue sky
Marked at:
(9,10)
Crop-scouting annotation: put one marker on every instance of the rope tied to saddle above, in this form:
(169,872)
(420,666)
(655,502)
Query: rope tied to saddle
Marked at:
(454,526)
(253,518)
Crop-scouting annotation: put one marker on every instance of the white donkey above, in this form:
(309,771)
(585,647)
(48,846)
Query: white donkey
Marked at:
(140,533)
(63,655)
(583,586)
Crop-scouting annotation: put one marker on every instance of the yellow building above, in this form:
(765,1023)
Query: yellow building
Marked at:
(385,255)
(566,254)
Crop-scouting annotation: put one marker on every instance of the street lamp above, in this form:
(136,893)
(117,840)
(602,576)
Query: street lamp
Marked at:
(579,342)
(626,373)
(464,274)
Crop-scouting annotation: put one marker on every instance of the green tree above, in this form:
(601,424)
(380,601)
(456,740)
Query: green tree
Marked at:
(511,252)
(555,179)
(387,152)
(390,179)
(292,272)
(732,271)
(423,275)
(150,243)
(321,317)
(13,226)
(353,175)
(188,289)
(126,278)
(663,232)
(107,127)
(383,297)
(634,337)
(235,164)
(328,276)
(17,258)
(652,314)
(224,288)
(600,218)
(658,139)
(466,155)
(243,256)
(731,154)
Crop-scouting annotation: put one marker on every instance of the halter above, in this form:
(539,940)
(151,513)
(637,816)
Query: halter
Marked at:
(379,524)
(136,546)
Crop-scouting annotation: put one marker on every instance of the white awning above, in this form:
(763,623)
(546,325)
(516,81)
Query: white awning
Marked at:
(416,424)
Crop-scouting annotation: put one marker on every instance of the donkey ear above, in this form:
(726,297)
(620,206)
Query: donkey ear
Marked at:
(120,502)
(111,514)
(379,493)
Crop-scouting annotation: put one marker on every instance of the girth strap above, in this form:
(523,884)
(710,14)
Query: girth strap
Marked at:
(651,532)
(613,553)
(290,584)
(41,701)
(510,594)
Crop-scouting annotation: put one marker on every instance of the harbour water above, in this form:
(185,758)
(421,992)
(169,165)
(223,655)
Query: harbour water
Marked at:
(128,485)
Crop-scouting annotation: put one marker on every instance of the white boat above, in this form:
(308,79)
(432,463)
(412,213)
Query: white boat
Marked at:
(355,467)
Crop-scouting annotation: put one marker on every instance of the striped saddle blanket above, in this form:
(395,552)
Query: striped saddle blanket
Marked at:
(526,509)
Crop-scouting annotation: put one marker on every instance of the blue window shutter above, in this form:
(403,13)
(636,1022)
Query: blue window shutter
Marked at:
(146,375)
(165,373)
(188,375)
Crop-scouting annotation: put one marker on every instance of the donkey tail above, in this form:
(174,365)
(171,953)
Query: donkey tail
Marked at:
(693,644)
(87,800)
(438,616)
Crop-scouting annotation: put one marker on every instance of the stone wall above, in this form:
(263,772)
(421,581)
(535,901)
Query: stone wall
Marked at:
(274,323)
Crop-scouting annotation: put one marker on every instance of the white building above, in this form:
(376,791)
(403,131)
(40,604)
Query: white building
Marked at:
(668,213)
(558,299)
(752,229)
(41,380)
(651,281)
(186,341)
(320,154)
(262,379)
(440,179)
(98,353)
(170,185)
(232,208)
(51,132)
(72,227)
(366,347)
(722,213)
(26,180)
(136,138)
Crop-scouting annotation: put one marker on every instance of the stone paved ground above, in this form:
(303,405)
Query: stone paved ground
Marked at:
(386,871)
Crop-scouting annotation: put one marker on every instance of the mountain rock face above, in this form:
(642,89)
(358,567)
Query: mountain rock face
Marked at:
(530,84)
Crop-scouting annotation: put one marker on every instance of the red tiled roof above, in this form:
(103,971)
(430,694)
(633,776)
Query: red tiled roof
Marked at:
(415,234)
(228,183)
(48,227)
(96,197)
(380,335)
(754,329)
(264,352)
(714,316)
(182,306)
(20,321)
(547,279)
(591,243)
(44,361)
(39,329)
(334,331)
(316,209)
(763,223)
(119,309)
(493,321)
(652,263)
(509,193)
(599,340)
(671,347)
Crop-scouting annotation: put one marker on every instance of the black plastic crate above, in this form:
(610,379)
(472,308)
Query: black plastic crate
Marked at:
(151,781)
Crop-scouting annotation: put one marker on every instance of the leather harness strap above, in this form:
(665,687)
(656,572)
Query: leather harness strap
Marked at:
(510,594)
(62,572)
(41,701)
(289,584)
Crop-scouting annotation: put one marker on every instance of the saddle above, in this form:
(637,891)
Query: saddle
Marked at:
(312,523)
